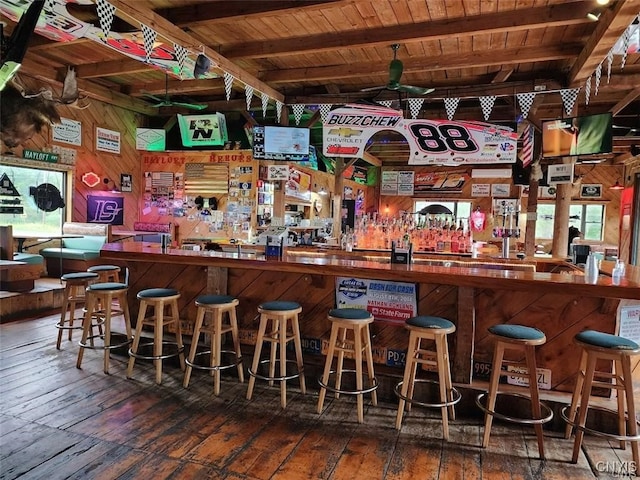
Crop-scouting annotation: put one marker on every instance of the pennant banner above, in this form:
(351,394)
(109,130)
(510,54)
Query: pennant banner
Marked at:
(487,105)
(228,83)
(248,92)
(569,96)
(451,105)
(386,103)
(49,5)
(298,110)
(181,53)
(265,103)
(598,76)
(525,100)
(415,104)
(105,15)
(626,39)
(325,108)
(149,36)
(587,90)
(279,105)
(609,63)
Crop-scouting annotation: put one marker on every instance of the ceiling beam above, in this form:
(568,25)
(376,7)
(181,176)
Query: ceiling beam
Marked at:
(629,97)
(125,66)
(135,13)
(523,19)
(507,56)
(611,25)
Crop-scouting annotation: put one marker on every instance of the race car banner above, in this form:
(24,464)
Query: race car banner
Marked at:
(347,131)
(392,302)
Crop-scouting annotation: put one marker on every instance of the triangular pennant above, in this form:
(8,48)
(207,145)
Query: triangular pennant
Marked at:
(325,108)
(451,105)
(569,96)
(181,53)
(386,103)
(609,64)
(587,90)
(525,100)
(598,77)
(265,103)
(415,104)
(248,93)
(49,5)
(279,105)
(626,39)
(298,110)
(487,105)
(228,83)
(149,36)
(105,15)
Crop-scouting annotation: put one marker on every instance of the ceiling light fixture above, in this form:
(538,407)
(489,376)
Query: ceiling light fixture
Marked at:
(594,15)
(616,186)
(602,2)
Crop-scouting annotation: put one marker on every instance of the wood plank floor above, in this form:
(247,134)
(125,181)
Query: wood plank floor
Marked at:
(60,422)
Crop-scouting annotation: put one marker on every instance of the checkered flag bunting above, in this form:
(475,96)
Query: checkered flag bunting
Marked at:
(525,100)
(228,83)
(325,108)
(609,63)
(626,40)
(248,93)
(279,105)
(265,103)
(587,90)
(181,53)
(487,105)
(569,97)
(149,36)
(105,15)
(415,104)
(50,4)
(298,110)
(598,77)
(386,103)
(451,105)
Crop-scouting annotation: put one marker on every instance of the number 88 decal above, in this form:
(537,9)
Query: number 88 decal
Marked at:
(439,139)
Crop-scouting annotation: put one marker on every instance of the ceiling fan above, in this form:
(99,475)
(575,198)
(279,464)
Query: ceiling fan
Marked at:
(167,102)
(395,72)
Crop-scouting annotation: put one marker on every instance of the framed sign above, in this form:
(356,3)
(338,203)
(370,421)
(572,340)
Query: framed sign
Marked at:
(107,140)
(125,182)
(591,190)
(67,131)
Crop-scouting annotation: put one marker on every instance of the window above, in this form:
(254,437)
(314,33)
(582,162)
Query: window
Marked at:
(588,218)
(33,219)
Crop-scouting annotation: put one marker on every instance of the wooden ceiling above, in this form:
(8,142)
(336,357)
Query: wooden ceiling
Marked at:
(319,52)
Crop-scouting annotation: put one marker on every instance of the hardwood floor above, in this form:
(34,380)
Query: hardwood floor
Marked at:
(60,422)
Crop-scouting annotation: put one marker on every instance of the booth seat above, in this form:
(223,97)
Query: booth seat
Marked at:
(76,253)
(30,258)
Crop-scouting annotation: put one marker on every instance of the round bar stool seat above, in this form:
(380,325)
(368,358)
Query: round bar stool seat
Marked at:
(611,348)
(99,303)
(278,326)
(349,335)
(74,294)
(524,339)
(433,329)
(106,273)
(217,306)
(159,299)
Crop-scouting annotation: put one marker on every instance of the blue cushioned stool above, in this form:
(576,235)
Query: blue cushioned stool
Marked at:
(106,273)
(216,306)
(99,304)
(611,348)
(524,339)
(435,329)
(159,299)
(356,321)
(74,295)
(274,328)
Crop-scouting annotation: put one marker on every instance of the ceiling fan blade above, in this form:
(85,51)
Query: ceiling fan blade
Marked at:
(191,106)
(153,97)
(372,89)
(414,90)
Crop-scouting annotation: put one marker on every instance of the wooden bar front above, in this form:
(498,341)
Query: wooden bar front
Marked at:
(561,305)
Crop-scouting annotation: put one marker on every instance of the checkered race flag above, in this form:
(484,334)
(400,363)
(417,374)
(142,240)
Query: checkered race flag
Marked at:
(487,105)
(386,103)
(598,77)
(609,64)
(569,97)
(451,105)
(298,110)
(265,103)
(248,93)
(587,90)
(626,40)
(49,5)
(525,100)
(278,110)
(415,104)
(325,108)
(228,83)
(149,36)
(105,15)
(181,53)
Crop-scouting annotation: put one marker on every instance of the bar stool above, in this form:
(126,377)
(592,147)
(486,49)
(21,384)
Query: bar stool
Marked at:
(74,294)
(433,329)
(106,273)
(523,339)
(99,303)
(604,346)
(158,299)
(217,306)
(343,321)
(274,328)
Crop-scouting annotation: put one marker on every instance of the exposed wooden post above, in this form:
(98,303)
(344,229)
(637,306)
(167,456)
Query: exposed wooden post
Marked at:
(6,242)
(530,224)
(561,218)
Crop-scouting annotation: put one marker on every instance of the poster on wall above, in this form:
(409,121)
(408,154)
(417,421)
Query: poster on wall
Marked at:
(67,131)
(107,140)
(105,210)
(630,322)
(561,173)
(392,302)
(298,185)
(590,190)
(441,182)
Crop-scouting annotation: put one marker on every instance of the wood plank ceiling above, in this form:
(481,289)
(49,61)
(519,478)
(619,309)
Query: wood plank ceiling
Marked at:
(318,52)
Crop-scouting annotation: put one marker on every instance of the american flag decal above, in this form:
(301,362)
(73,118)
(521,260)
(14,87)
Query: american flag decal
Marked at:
(526,150)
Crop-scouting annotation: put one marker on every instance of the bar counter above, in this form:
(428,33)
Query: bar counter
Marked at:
(474,298)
